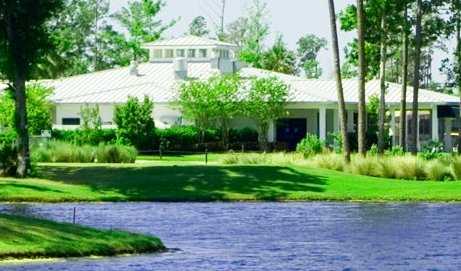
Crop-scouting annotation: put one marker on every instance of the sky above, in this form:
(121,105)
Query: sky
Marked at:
(291,18)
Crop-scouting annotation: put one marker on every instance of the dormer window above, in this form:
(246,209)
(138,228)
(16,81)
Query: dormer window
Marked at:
(180,53)
(203,53)
(169,53)
(191,53)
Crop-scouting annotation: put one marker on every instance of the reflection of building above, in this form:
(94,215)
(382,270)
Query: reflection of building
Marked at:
(312,104)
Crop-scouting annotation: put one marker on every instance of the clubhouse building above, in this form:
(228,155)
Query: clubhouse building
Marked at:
(312,106)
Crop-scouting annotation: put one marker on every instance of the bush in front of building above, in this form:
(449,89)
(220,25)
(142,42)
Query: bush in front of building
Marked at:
(64,152)
(7,153)
(135,124)
(86,137)
(311,145)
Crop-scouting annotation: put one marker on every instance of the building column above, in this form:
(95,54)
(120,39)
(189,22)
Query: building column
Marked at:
(393,131)
(336,120)
(322,123)
(435,124)
(350,121)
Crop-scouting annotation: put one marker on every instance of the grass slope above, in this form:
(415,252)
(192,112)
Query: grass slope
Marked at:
(175,180)
(34,238)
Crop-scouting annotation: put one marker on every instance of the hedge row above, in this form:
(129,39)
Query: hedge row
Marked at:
(175,138)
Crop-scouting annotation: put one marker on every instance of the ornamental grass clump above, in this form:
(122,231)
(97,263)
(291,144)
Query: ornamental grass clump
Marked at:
(438,171)
(455,168)
(115,154)
(329,161)
(63,152)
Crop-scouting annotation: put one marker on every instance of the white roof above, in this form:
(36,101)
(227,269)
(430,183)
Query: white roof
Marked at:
(189,41)
(157,81)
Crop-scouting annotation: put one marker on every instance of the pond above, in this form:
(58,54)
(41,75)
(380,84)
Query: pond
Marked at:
(269,236)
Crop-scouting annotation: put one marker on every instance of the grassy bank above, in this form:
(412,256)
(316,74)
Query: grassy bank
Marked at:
(27,238)
(174,180)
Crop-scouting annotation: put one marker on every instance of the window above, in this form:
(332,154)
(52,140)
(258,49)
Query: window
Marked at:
(158,53)
(169,53)
(71,121)
(203,53)
(224,54)
(191,53)
(180,53)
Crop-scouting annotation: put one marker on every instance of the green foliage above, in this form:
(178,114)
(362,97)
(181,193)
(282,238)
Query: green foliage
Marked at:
(264,103)
(243,135)
(141,23)
(91,118)
(86,137)
(250,32)
(311,145)
(62,152)
(135,124)
(38,109)
(184,138)
(396,151)
(7,153)
(115,154)
(198,27)
(279,58)
(309,47)
(432,150)
(211,103)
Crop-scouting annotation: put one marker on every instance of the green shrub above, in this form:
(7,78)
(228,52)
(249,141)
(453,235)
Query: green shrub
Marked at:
(243,135)
(432,150)
(369,166)
(115,154)
(135,124)
(184,137)
(311,145)
(396,151)
(63,152)
(8,153)
(373,150)
(85,137)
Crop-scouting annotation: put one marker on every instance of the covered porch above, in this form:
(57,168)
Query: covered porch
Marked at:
(439,123)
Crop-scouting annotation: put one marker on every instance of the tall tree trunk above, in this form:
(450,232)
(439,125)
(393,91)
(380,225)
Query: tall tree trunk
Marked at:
(19,85)
(362,78)
(403,99)
(416,80)
(339,84)
(382,76)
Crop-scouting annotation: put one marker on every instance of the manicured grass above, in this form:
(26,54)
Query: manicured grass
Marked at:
(22,238)
(171,180)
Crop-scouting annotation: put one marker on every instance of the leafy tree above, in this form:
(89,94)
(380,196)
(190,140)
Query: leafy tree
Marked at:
(250,32)
(309,47)
(135,124)
(195,100)
(339,84)
(91,117)
(141,24)
(198,27)
(265,103)
(279,58)
(75,33)
(39,109)
(211,103)
(24,39)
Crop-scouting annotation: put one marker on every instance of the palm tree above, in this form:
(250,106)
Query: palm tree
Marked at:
(416,80)
(403,100)
(382,100)
(362,77)
(339,85)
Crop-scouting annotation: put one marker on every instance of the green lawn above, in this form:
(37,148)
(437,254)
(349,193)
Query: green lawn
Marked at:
(176,180)
(34,238)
